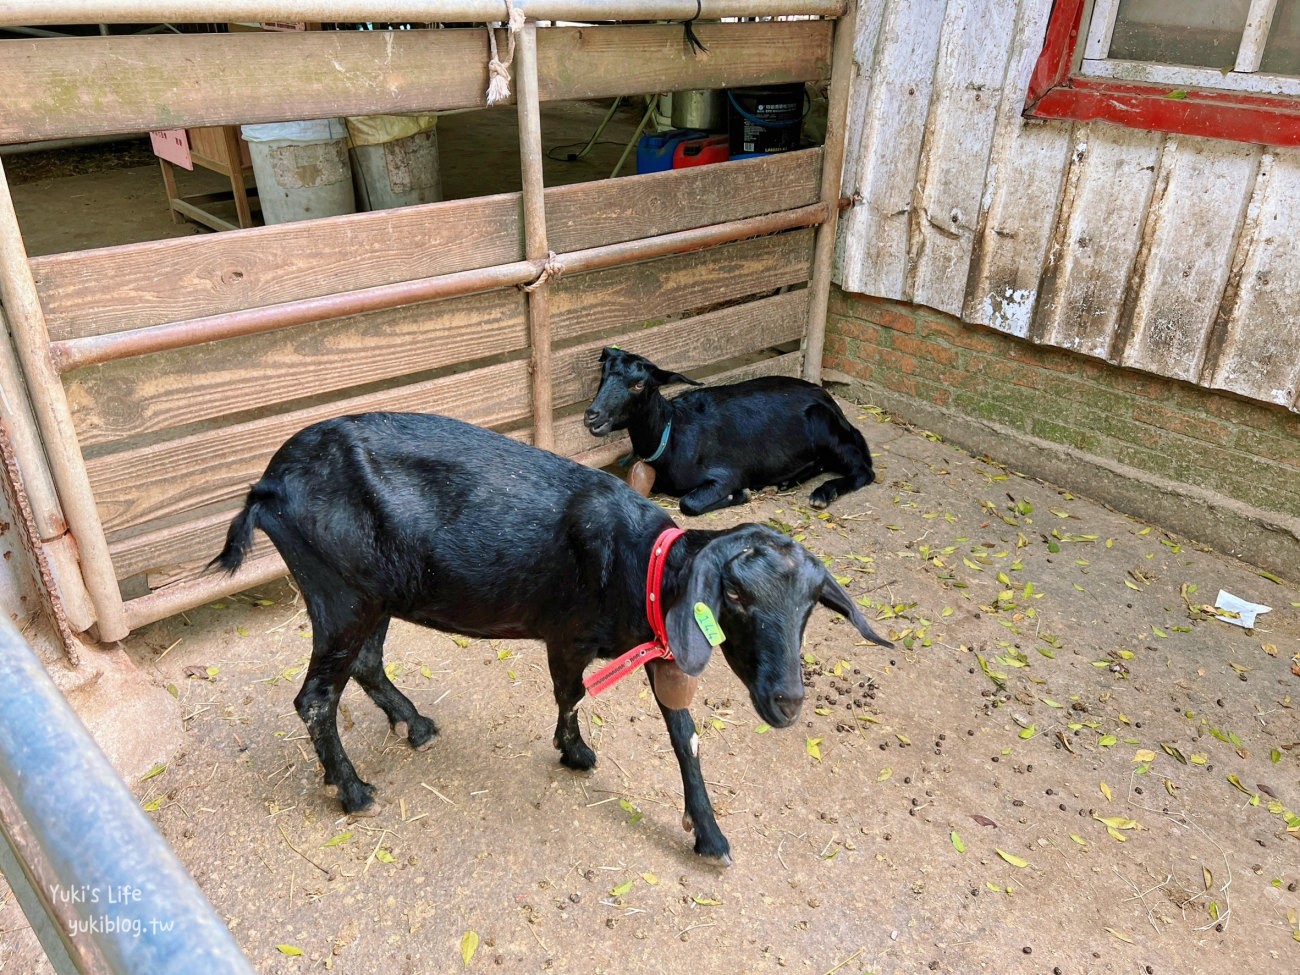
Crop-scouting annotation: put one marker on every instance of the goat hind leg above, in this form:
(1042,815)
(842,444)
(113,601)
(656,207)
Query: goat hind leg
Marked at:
(341,626)
(317,704)
(403,718)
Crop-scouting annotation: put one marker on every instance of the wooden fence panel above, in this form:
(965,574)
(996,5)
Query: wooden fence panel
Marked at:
(139,396)
(161,480)
(59,88)
(114,288)
(651,290)
(614,210)
(137,285)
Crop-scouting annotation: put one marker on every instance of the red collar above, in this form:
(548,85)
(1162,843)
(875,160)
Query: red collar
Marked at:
(614,671)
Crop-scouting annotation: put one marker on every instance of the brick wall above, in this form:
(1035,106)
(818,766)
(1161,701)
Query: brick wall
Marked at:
(1227,469)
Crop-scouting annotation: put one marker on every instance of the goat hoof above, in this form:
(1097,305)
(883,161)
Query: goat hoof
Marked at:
(419,733)
(816,502)
(368,811)
(359,802)
(580,760)
(719,858)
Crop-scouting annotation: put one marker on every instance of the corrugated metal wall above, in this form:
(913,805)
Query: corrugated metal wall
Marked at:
(1175,255)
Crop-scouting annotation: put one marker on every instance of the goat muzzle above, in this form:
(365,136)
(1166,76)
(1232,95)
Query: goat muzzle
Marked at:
(597,423)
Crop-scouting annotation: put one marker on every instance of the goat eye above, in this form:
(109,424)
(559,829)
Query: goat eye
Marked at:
(732,595)
(637,387)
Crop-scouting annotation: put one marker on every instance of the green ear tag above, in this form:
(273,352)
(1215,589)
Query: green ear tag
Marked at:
(708,625)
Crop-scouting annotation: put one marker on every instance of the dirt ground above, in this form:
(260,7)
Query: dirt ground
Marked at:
(1065,766)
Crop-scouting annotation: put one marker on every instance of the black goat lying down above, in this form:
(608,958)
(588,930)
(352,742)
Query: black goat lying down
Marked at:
(712,446)
(460,529)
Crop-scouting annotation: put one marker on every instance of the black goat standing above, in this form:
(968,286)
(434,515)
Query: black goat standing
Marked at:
(457,528)
(711,446)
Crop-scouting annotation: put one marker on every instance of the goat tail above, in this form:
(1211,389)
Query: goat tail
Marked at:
(239,537)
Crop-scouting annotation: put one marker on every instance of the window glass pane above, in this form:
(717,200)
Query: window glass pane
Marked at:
(1205,33)
(1282,50)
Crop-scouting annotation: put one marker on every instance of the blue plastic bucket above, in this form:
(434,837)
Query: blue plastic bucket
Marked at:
(764,119)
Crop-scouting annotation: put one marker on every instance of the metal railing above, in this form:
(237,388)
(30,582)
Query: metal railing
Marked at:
(100,886)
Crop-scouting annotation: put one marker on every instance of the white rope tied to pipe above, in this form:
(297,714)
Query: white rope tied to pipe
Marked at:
(551,271)
(498,89)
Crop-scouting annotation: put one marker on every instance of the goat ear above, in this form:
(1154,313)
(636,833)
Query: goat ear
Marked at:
(689,645)
(604,354)
(834,597)
(665,378)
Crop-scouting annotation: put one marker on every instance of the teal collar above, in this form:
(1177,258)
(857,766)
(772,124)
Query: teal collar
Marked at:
(663,444)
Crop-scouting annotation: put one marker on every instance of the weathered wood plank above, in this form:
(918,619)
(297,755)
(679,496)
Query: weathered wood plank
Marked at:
(135,285)
(866,48)
(573,440)
(1022,190)
(686,344)
(1258,354)
(1012,245)
(1096,238)
(614,210)
(1182,269)
(597,62)
(897,92)
(189,540)
(635,293)
(59,88)
(974,59)
(139,396)
(141,484)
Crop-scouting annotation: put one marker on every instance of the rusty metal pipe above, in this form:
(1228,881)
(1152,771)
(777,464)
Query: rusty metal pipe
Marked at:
(180,597)
(70,354)
(19,12)
(536,246)
(837,112)
(50,409)
(699,238)
(90,350)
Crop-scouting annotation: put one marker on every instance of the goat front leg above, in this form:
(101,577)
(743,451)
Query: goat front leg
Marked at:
(711,495)
(709,841)
(566,667)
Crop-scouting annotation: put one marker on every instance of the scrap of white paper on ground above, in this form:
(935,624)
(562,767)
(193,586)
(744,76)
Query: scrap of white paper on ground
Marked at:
(1245,611)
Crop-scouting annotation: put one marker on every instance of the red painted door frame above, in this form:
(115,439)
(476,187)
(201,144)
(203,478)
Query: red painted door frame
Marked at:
(1057,92)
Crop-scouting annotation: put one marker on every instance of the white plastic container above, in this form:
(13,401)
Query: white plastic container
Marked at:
(301,169)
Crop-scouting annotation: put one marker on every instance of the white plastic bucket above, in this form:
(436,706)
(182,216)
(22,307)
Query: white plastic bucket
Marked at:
(301,169)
